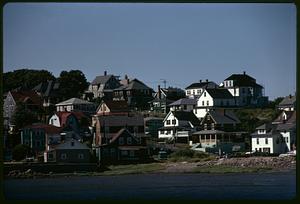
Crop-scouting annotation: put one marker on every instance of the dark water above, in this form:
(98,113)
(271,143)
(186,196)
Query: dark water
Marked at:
(274,186)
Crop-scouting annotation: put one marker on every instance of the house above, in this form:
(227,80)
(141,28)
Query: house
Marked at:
(49,91)
(178,126)
(76,104)
(183,104)
(163,97)
(108,125)
(64,119)
(288,103)
(211,99)
(68,151)
(29,99)
(219,133)
(109,107)
(245,90)
(152,124)
(267,139)
(123,146)
(39,136)
(102,86)
(195,89)
(286,125)
(135,93)
(276,137)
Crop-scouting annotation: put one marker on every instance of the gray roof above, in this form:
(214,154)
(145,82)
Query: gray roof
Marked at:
(204,84)
(227,118)
(287,101)
(266,126)
(122,120)
(186,116)
(101,79)
(208,132)
(184,101)
(74,101)
(219,93)
(134,84)
(47,88)
(68,145)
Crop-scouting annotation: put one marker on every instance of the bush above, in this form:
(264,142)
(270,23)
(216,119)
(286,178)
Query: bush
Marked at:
(188,154)
(20,152)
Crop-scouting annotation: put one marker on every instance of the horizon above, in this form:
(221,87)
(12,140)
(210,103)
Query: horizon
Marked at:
(179,44)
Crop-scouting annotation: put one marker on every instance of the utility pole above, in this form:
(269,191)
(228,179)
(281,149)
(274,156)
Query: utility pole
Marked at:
(165,82)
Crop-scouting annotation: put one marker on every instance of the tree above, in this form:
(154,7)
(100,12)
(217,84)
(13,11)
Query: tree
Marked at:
(275,102)
(25,78)
(23,116)
(72,84)
(20,152)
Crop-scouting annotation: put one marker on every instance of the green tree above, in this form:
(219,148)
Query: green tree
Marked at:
(23,117)
(20,152)
(273,104)
(25,78)
(72,84)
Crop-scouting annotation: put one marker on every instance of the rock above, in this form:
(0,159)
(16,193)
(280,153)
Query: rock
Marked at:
(28,171)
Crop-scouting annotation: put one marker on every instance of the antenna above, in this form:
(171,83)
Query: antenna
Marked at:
(164,81)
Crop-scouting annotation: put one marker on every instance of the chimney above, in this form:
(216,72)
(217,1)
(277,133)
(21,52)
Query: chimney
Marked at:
(105,73)
(200,80)
(159,94)
(206,80)
(244,73)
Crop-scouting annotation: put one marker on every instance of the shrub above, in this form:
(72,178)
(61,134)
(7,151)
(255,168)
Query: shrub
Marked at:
(20,152)
(188,154)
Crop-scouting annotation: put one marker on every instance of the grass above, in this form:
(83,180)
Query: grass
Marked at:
(189,155)
(133,169)
(229,169)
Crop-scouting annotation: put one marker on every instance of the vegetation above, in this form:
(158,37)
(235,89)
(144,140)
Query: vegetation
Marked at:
(190,155)
(72,84)
(254,117)
(20,152)
(133,169)
(25,78)
(23,117)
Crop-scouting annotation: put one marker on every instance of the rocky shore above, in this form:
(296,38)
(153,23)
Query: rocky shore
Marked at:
(222,165)
(270,163)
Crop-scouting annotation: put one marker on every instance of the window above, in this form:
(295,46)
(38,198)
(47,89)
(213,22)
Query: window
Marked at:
(174,122)
(38,143)
(184,107)
(124,152)
(212,126)
(63,156)
(131,153)
(205,126)
(207,103)
(188,92)
(121,140)
(195,111)
(202,103)
(257,140)
(162,132)
(80,156)
(205,94)
(198,91)
(221,102)
(168,122)
(227,103)
(286,139)
(129,140)
(193,92)
(168,132)
(266,141)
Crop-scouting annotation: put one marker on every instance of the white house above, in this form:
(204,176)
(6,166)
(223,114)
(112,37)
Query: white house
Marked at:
(178,125)
(76,104)
(288,103)
(245,90)
(211,99)
(184,104)
(195,89)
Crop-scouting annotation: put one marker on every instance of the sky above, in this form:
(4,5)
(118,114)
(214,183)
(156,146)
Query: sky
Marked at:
(179,43)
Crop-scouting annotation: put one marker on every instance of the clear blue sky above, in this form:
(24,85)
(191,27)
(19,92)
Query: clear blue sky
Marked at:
(181,43)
